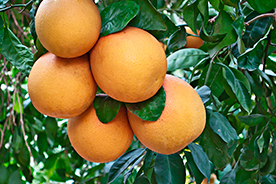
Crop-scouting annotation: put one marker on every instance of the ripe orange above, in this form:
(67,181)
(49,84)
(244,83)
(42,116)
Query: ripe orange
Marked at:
(60,87)
(68,28)
(129,65)
(99,142)
(192,41)
(182,120)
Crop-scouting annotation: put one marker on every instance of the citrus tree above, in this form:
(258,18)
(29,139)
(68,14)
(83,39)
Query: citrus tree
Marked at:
(222,49)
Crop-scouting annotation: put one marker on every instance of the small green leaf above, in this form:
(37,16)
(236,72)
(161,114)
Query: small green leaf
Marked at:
(201,160)
(204,93)
(262,6)
(117,15)
(221,126)
(185,58)
(169,169)
(150,109)
(238,25)
(148,18)
(192,167)
(17,103)
(260,142)
(177,40)
(215,38)
(142,180)
(203,9)
(229,178)
(106,108)
(19,55)
(215,148)
(122,163)
(252,120)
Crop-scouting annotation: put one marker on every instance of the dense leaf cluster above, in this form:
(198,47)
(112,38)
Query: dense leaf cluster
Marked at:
(233,71)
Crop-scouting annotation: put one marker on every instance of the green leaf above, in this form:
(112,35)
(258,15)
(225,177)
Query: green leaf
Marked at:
(122,163)
(238,25)
(238,88)
(241,78)
(177,40)
(252,120)
(17,103)
(148,18)
(204,93)
(40,50)
(150,109)
(201,160)
(216,4)
(268,179)
(193,169)
(15,178)
(255,31)
(252,58)
(142,180)
(214,81)
(247,159)
(223,25)
(148,160)
(221,126)
(203,9)
(19,55)
(169,169)
(190,14)
(262,6)
(185,58)
(229,178)
(255,83)
(106,108)
(215,148)
(215,38)
(4,174)
(117,15)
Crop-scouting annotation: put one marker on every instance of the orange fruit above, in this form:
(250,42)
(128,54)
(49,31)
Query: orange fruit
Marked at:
(68,28)
(182,120)
(193,41)
(99,142)
(129,65)
(60,87)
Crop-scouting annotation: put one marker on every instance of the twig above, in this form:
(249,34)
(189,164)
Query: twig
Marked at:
(17,5)
(259,17)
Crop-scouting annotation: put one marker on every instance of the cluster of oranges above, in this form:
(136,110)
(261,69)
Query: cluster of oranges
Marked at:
(129,66)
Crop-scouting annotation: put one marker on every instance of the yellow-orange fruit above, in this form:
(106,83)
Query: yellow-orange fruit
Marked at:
(129,65)
(193,41)
(99,142)
(68,28)
(182,120)
(60,87)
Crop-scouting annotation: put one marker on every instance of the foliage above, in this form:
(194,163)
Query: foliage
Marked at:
(234,73)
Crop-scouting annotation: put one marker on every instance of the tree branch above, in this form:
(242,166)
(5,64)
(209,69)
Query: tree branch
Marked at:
(259,17)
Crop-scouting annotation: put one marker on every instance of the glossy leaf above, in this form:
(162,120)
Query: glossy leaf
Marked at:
(252,120)
(255,31)
(169,169)
(252,58)
(106,108)
(221,126)
(190,14)
(238,25)
(177,40)
(192,167)
(142,180)
(215,82)
(117,15)
(19,55)
(268,179)
(201,160)
(204,93)
(239,89)
(223,25)
(150,109)
(148,18)
(229,178)
(262,6)
(185,58)
(203,9)
(215,148)
(122,163)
